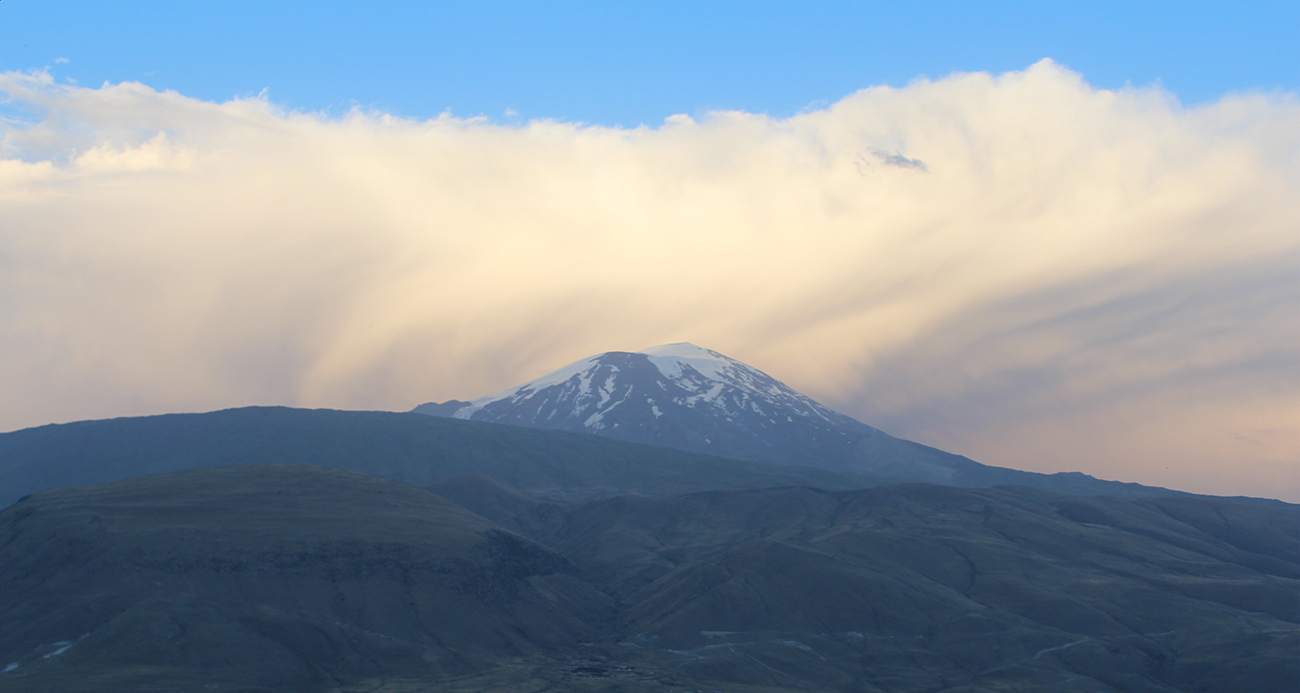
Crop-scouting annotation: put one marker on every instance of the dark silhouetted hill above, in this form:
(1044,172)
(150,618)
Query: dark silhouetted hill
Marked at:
(412,448)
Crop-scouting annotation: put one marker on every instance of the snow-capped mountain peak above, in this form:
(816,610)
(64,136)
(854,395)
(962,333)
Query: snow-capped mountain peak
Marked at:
(583,395)
(678,361)
(690,398)
(695,399)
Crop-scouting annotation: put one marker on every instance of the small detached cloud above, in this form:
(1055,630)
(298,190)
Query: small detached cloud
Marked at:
(1082,279)
(898,160)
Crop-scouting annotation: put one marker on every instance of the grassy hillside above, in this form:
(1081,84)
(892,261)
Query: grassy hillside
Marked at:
(540,560)
(927,587)
(271,578)
(283,577)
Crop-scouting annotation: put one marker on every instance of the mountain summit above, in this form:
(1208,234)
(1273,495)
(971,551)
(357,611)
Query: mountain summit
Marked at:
(678,395)
(690,398)
(679,374)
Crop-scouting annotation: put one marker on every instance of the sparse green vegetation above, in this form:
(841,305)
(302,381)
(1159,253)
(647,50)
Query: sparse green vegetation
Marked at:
(283,577)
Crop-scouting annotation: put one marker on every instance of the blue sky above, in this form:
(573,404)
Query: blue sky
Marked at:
(635,62)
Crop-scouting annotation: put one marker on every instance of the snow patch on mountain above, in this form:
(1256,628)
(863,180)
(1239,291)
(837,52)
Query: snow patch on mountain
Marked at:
(682,360)
(708,379)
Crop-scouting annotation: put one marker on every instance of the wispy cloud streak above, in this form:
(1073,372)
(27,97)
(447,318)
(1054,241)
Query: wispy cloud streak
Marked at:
(1018,267)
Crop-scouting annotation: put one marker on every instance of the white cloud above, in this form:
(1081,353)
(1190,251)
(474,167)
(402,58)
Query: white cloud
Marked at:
(1019,268)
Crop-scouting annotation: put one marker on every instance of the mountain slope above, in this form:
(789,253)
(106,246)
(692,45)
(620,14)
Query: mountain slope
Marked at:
(272,577)
(412,448)
(281,577)
(930,588)
(689,398)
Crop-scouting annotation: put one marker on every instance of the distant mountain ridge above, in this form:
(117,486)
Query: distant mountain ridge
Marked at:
(694,399)
(406,447)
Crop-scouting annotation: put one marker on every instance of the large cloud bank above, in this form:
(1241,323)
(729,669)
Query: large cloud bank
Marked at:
(1020,268)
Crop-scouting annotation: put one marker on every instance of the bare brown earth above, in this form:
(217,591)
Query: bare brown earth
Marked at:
(277,577)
